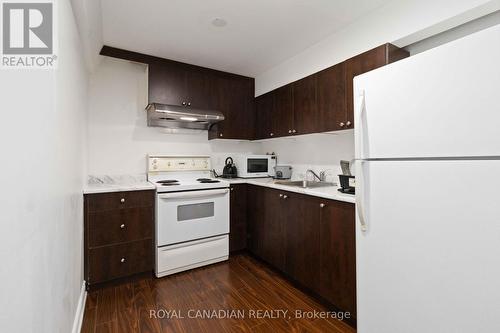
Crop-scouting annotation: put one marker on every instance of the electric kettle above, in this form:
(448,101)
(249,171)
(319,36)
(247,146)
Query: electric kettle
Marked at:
(229,170)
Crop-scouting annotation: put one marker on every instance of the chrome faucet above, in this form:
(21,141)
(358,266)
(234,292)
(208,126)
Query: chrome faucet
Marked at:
(315,175)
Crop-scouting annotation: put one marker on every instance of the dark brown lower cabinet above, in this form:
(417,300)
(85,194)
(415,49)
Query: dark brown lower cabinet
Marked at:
(302,260)
(238,217)
(110,262)
(118,235)
(338,254)
(266,227)
(310,239)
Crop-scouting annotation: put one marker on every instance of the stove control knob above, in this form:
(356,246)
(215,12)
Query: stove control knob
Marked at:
(122,200)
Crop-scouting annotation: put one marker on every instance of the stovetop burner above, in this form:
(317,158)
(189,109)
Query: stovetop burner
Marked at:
(207,180)
(167,181)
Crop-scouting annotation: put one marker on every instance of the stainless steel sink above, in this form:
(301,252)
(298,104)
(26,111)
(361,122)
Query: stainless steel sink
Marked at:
(304,184)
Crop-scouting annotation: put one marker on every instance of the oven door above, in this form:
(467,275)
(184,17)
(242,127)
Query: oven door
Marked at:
(185,216)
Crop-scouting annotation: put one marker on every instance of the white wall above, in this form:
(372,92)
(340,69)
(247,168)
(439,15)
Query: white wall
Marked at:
(402,22)
(319,152)
(118,137)
(42,172)
(89,21)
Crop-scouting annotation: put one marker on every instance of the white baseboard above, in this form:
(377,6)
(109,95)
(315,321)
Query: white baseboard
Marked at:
(80,309)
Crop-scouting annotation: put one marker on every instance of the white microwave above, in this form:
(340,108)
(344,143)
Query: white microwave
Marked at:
(254,166)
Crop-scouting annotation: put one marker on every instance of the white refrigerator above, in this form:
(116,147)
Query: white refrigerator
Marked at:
(427,142)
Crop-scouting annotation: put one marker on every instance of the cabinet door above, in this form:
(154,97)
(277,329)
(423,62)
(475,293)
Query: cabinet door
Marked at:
(301,220)
(238,217)
(235,101)
(274,231)
(305,106)
(167,84)
(338,254)
(201,89)
(256,223)
(282,113)
(366,62)
(264,109)
(331,113)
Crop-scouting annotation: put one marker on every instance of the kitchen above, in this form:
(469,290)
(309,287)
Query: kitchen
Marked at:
(223,168)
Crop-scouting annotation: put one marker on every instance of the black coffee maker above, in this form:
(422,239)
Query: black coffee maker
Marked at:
(229,170)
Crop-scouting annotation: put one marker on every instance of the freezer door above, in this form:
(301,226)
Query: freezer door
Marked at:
(429,258)
(439,103)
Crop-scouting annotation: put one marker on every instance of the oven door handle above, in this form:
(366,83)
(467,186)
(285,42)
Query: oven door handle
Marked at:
(193,194)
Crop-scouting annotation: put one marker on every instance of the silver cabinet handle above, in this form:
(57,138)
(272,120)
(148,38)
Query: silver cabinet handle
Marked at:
(285,196)
(348,123)
(184,103)
(122,260)
(189,103)
(221,135)
(281,195)
(322,205)
(341,124)
(294,131)
(122,226)
(271,134)
(122,200)
(289,131)
(232,188)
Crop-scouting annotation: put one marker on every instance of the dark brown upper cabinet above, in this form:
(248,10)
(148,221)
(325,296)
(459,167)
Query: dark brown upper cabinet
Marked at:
(331,112)
(274,113)
(305,106)
(176,83)
(321,102)
(167,84)
(365,62)
(282,115)
(264,105)
(235,99)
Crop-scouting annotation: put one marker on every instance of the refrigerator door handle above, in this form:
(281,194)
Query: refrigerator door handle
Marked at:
(359,124)
(359,199)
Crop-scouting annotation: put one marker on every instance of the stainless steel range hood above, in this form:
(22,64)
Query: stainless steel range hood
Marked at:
(173,116)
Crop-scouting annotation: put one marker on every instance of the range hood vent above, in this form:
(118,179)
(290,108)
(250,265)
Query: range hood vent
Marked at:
(174,116)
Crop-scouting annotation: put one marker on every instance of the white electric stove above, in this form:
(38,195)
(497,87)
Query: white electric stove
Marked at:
(192,213)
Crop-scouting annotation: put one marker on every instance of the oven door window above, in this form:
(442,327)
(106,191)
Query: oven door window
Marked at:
(255,165)
(195,211)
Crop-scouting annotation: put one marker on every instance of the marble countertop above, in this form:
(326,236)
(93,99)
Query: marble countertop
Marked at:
(106,184)
(327,192)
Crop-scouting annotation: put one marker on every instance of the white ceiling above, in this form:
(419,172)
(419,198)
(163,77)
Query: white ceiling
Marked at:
(259,35)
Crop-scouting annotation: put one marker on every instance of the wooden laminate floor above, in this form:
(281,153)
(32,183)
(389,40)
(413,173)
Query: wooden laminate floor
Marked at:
(241,288)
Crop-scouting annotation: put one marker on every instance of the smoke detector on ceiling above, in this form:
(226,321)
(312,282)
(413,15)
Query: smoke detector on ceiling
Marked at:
(219,22)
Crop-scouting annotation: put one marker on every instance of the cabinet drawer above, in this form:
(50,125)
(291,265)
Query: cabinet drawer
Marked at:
(111,262)
(118,200)
(119,225)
